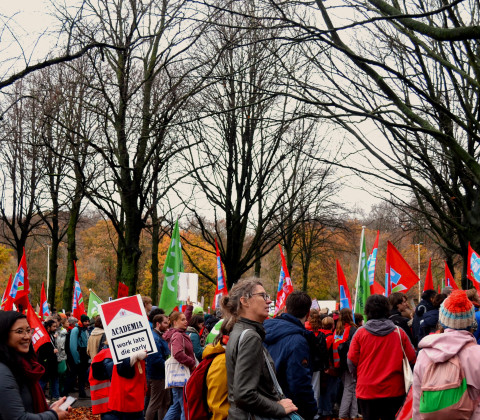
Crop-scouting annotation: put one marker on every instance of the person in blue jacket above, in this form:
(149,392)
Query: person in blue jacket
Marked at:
(159,396)
(288,342)
(194,329)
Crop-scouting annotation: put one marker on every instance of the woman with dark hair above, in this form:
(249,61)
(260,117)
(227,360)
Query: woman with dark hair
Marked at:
(344,332)
(181,348)
(251,390)
(376,358)
(193,331)
(22,396)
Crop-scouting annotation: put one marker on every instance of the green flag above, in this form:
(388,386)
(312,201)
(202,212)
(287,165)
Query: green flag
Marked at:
(362,283)
(171,269)
(93,302)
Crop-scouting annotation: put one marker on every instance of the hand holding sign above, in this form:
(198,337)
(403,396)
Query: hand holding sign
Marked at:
(127,328)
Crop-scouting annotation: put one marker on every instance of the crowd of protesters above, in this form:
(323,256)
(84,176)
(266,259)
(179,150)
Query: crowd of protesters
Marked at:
(303,362)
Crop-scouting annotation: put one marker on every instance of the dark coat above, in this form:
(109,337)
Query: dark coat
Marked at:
(17,400)
(156,361)
(422,308)
(401,321)
(287,341)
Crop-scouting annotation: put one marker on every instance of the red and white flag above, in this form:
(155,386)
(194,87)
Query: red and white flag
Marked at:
(78,306)
(44,310)
(221,284)
(7,301)
(285,286)
(40,335)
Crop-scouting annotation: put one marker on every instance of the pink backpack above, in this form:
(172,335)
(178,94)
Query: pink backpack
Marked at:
(444,392)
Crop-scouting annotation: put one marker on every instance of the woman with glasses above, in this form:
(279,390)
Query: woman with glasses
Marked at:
(22,396)
(251,390)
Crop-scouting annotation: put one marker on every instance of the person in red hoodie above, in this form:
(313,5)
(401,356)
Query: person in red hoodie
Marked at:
(181,348)
(375,357)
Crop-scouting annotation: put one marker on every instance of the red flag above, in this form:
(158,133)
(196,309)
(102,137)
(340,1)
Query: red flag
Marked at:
(7,301)
(20,286)
(399,276)
(406,410)
(122,290)
(221,285)
(378,289)
(343,291)
(285,286)
(40,335)
(449,280)
(429,278)
(473,267)
(44,310)
(78,306)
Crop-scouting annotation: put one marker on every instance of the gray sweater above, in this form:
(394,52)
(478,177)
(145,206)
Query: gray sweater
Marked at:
(250,387)
(17,401)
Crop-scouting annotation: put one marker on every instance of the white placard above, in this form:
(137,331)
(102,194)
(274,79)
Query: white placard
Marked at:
(187,287)
(126,327)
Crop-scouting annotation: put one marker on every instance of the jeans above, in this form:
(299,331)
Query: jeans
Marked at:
(175,412)
(325,404)
(54,387)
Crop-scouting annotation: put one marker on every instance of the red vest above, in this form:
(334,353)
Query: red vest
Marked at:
(99,390)
(338,339)
(128,395)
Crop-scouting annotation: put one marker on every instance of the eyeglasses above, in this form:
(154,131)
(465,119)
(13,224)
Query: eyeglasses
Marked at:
(21,331)
(263,295)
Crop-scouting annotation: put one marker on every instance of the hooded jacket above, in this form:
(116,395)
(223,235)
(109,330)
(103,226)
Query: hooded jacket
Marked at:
(439,348)
(287,341)
(422,308)
(376,357)
(428,323)
(180,346)
(217,388)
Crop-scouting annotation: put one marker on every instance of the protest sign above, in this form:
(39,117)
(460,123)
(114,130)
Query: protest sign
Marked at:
(126,327)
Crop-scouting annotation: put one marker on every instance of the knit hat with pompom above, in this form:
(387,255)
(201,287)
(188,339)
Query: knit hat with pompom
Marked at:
(457,312)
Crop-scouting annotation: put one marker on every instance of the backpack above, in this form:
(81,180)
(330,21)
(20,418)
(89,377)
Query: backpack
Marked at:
(195,392)
(319,353)
(444,393)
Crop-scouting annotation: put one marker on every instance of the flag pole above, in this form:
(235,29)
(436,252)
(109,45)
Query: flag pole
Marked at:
(359,269)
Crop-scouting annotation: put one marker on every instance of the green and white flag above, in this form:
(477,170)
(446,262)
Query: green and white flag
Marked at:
(93,302)
(362,284)
(171,269)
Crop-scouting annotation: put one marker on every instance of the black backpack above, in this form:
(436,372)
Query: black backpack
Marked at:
(318,351)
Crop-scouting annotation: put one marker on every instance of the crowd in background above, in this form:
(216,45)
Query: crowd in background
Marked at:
(312,363)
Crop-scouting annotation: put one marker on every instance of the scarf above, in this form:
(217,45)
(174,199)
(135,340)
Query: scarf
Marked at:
(33,371)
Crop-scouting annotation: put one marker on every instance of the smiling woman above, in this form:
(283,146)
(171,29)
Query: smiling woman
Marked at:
(20,373)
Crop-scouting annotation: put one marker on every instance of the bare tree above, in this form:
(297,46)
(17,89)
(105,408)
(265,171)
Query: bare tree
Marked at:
(21,173)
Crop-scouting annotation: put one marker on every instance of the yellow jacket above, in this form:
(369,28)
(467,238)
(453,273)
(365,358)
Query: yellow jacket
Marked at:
(217,394)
